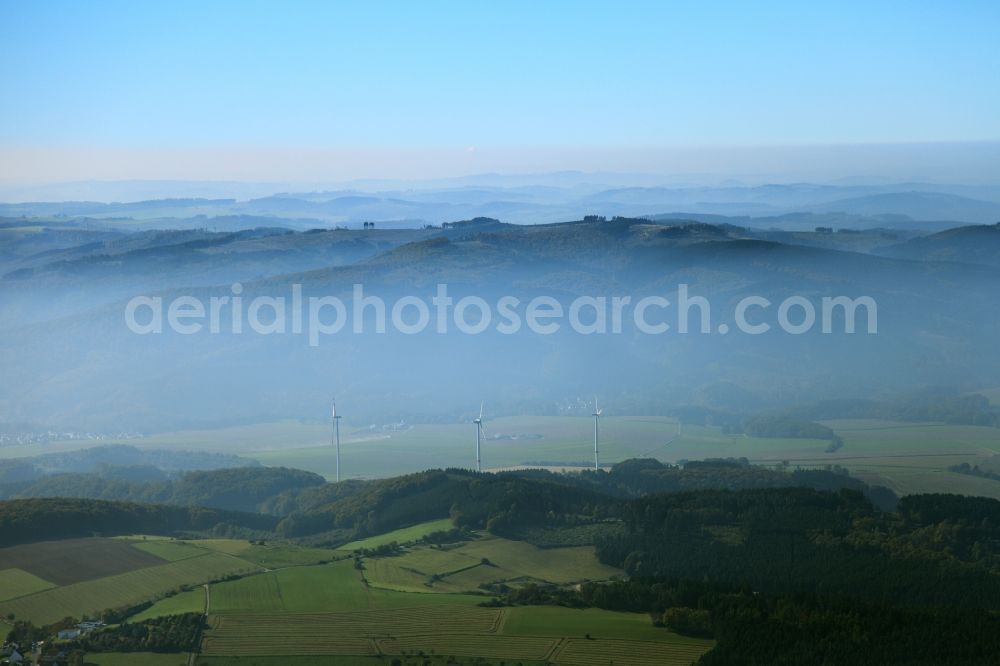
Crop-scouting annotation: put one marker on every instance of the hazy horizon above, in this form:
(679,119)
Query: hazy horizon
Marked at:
(332,94)
(130,177)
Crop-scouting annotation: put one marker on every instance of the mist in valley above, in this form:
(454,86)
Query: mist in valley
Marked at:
(72,363)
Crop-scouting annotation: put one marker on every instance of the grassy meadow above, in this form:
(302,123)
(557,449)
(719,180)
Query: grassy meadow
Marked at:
(18,583)
(189,601)
(268,555)
(404,535)
(914,458)
(488,559)
(340,660)
(333,587)
(171,551)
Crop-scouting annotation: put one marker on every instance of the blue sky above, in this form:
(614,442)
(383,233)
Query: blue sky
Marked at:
(428,76)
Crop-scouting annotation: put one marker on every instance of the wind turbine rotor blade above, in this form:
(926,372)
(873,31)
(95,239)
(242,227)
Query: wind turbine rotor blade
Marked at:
(482,405)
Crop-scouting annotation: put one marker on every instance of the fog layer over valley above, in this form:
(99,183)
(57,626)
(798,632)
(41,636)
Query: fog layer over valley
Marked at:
(71,362)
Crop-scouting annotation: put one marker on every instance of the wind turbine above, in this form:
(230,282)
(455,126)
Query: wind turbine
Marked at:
(597,417)
(336,436)
(479,437)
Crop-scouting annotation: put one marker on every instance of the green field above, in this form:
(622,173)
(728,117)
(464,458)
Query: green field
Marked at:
(404,535)
(576,622)
(269,555)
(235,547)
(479,645)
(529,634)
(189,601)
(324,660)
(457,631)
(914,458)
(79,599)
(461,568)
(171,551)
(601,652)
(272,555)
(353,633)
(17,583)
(324,588)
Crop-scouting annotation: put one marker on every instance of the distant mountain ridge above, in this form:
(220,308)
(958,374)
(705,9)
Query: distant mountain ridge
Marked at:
(526,204)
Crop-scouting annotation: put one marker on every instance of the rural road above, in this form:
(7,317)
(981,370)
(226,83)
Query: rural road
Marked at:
(208,605)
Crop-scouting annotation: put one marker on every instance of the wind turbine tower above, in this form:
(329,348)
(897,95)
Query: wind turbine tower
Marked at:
(336,436)
(479,437)
(597,451)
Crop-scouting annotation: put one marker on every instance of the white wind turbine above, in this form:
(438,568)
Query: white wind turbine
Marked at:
(597,417)
(336,436)
(479,437)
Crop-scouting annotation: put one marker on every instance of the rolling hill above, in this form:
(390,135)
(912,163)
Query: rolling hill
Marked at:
(929,310)
(978,244)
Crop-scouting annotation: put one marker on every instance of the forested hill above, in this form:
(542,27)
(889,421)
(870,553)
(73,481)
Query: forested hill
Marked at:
(300,505)
(23,521)
(937,549)
(284,492)
(233,489)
